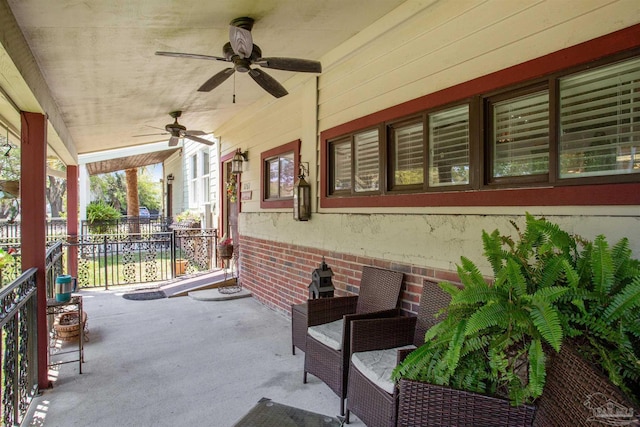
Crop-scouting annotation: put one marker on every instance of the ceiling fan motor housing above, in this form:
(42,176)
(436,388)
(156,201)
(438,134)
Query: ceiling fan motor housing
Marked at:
(244,22)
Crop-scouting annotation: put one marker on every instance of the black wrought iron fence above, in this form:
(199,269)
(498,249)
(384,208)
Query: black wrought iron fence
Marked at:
(157,253)
(18,358)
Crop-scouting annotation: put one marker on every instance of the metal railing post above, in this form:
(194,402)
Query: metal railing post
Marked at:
(173,254)
(106,265)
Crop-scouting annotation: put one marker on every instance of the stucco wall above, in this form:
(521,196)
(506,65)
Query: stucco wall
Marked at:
(408,54)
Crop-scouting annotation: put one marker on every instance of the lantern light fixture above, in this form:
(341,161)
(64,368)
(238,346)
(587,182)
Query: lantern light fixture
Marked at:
(236,162)
(302,196)
(170,177)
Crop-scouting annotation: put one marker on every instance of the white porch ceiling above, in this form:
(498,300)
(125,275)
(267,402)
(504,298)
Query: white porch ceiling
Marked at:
(97,58)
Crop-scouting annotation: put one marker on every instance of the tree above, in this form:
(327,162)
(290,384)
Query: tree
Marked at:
(56,189)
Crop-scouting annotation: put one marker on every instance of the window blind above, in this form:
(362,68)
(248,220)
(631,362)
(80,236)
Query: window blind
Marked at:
(600,121)
(409,154)
(521,135)
(367,161)
(341,166)
(449,147)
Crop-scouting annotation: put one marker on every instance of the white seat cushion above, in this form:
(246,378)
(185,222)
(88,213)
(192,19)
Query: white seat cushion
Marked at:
(329,334)
(377,365)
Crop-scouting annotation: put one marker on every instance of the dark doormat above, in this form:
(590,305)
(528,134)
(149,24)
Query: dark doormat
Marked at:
(145,295)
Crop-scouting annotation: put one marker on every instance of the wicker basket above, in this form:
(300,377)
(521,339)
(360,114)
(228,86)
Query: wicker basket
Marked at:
(67,326)
(225,251)
(423,404)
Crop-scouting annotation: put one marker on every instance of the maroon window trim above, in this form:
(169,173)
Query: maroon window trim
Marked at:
(581,195)
(293,146)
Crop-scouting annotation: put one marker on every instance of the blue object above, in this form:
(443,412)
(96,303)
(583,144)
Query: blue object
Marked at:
(65,284)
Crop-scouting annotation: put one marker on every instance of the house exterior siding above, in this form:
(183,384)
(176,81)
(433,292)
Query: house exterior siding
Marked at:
(410,60)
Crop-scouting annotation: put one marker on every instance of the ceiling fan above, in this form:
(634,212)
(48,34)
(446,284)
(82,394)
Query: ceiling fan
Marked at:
(241,51)
(177,131)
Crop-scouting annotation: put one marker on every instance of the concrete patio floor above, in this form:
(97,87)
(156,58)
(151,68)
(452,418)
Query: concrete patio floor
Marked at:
(178,362)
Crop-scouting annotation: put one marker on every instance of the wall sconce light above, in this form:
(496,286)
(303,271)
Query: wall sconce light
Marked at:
(170,177)
(236,162)
(302,196)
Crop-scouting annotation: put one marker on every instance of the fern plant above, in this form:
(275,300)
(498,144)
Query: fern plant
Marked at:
(606,323)
(495,337)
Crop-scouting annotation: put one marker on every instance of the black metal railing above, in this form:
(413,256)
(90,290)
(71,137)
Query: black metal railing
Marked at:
(18,358)
(158,253)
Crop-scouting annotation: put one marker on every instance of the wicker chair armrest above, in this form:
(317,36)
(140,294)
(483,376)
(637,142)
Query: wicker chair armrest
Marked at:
(346,331)
(325,310)
(379,334)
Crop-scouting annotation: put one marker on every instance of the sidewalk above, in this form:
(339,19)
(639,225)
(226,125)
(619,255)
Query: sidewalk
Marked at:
(179,362)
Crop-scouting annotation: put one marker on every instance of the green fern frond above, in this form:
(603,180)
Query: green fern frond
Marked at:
(478,295)
(624,302)
(493,249)
(571,274)
(485,317)
(537,370)
(449,288)
(469,273)
(550,294)
(546,319)
(455,347)
(515,278)
(602,265)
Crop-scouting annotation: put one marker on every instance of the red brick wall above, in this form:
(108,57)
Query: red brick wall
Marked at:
(279,274)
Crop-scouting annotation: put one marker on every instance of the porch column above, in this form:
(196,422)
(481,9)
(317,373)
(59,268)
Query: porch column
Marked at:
(72,219)
(33,221)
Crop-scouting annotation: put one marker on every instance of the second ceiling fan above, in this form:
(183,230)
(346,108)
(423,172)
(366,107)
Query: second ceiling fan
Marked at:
(241,51)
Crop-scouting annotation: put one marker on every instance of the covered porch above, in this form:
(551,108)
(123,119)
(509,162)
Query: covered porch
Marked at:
(398,136)
(160,362)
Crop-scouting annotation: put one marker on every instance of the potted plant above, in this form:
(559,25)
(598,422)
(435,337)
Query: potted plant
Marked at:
(494,342)
(188,219)
(549,289)
(225,247)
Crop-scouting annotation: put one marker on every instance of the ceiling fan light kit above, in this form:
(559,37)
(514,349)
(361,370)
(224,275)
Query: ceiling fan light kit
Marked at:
(243,53)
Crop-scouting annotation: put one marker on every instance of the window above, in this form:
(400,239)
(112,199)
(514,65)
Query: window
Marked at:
(520,136)
(364,162)
(205,187)
(551,129)
(407,151)
(341,159)
(281,177)
(449,147)
(280,166)
(193,180)
(600,121)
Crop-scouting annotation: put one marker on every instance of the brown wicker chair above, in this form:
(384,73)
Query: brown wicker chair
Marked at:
(378,297)
(373,405)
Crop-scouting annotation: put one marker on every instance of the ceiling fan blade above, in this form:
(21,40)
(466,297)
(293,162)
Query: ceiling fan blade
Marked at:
(216,80)
(241,41)
(151,134)
(268,83)
(195,132)
(192,55)
(291,64)
(198,139)
(173,141)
